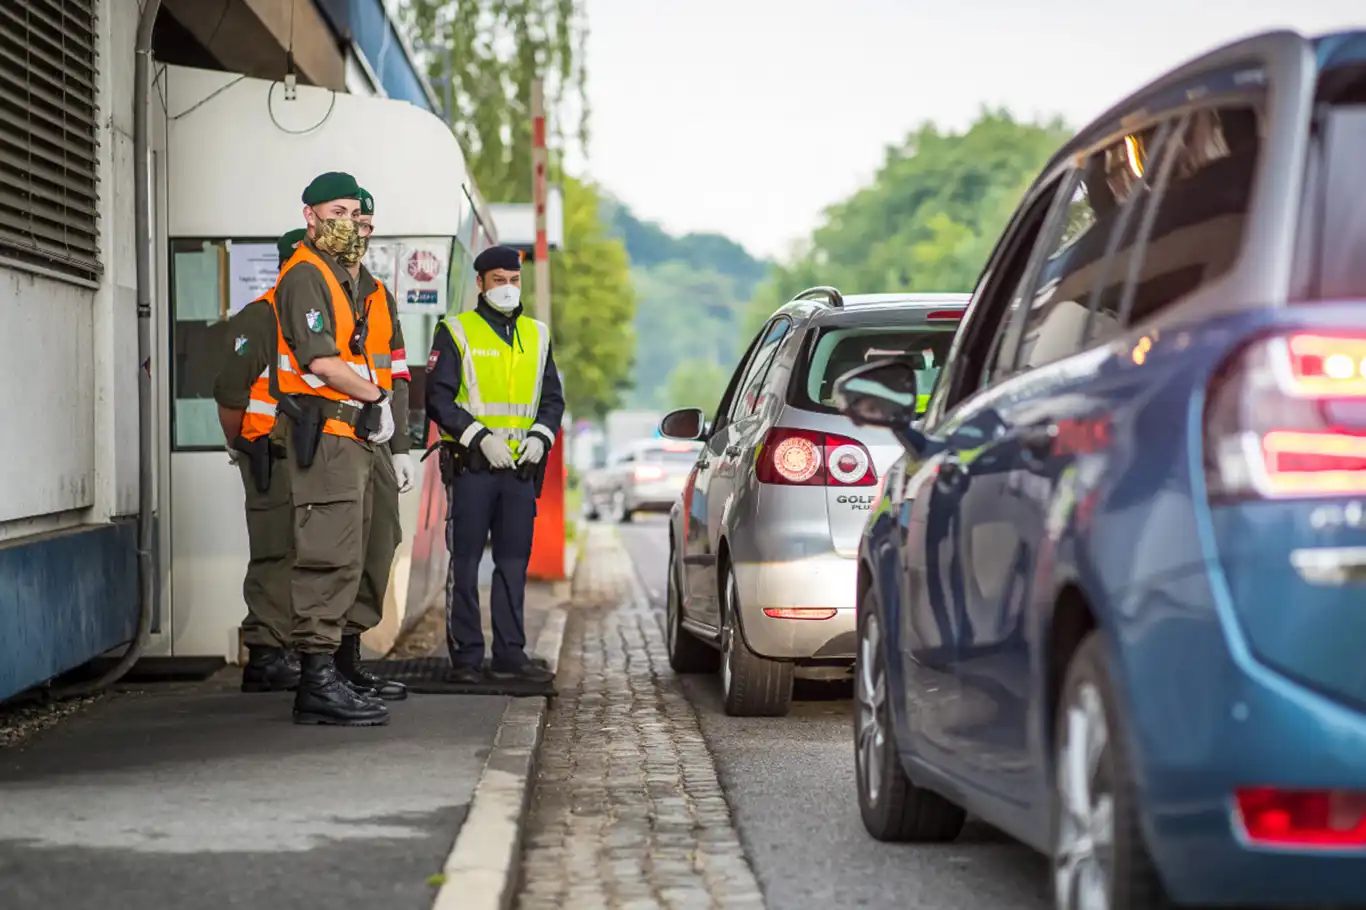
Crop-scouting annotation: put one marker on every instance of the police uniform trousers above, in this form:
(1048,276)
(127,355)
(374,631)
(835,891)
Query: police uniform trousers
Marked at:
(499,508)
(270,539)
(333,504)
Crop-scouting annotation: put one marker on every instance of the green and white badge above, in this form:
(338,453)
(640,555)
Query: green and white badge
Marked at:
(315,320)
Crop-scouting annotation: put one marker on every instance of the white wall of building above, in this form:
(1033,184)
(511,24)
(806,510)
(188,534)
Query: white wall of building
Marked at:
(70,356)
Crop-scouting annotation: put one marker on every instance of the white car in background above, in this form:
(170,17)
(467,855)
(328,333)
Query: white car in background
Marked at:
(648,476)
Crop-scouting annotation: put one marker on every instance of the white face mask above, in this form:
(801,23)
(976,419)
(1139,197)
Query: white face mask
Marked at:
(504,298)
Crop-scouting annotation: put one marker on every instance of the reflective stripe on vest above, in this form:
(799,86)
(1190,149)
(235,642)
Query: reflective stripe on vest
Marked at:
(259,419)
(500,384)
(294,380)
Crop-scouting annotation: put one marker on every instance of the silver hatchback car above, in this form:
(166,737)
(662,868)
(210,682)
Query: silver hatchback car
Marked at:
(764,539)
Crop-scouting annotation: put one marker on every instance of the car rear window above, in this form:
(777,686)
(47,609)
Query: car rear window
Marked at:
(1337,221)
(835,350)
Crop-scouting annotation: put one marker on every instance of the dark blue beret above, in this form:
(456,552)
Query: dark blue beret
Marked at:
(498,257)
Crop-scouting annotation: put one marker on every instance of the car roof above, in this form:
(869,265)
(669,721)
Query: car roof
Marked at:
(876,309)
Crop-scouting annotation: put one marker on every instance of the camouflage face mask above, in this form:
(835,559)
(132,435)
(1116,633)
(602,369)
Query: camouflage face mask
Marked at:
(340,237)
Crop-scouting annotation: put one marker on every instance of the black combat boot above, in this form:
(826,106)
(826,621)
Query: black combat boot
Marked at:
(270,670)
(323,698)
(350,667)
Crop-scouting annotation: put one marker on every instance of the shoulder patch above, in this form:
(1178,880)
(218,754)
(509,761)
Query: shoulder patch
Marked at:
(432,358)
(239,345)
(315,320)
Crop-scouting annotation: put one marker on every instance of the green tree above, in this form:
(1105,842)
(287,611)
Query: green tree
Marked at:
(492,51)
(927,221)
(593,306)
(696,384)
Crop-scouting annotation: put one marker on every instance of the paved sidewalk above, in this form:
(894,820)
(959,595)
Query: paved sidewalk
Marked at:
(628,812)
(196,796)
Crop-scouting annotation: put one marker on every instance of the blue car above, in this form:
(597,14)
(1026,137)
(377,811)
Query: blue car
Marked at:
(1112,597)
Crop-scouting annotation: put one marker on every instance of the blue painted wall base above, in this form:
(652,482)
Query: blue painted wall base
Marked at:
(65,598)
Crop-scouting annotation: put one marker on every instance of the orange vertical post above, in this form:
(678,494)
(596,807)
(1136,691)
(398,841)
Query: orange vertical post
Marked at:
(547,546)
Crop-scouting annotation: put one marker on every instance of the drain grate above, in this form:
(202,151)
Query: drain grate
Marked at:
(427,676)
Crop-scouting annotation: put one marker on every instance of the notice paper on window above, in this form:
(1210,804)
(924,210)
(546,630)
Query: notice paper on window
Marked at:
(252,270)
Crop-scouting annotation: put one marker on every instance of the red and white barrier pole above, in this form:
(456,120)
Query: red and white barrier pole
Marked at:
(547,548)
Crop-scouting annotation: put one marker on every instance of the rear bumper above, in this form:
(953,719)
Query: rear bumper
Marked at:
(653,497)
(827,580)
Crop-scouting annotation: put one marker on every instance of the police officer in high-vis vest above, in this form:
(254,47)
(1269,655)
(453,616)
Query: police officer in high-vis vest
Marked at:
(246,411)
(495,395)
(336,418)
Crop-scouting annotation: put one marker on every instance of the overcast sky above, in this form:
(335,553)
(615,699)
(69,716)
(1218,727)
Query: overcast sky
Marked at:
(748,117)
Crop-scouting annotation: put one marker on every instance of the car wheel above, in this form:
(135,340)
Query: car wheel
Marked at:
(1099,857)
(893,808)
(751,686)
(620,513)
(686,653)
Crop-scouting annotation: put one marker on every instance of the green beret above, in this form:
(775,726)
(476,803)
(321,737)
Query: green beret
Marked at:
(367,202)
(329,186)
(288,241)
(498,257)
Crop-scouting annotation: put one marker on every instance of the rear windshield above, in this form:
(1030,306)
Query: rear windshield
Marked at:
(834,351)
(1336,246)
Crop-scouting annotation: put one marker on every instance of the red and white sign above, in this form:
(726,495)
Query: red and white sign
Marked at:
(416,270)
(423,266)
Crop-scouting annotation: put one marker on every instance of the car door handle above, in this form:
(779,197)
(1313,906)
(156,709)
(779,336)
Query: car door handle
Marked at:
(702,464)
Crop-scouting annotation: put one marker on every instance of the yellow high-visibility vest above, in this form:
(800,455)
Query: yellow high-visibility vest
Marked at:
(500,384)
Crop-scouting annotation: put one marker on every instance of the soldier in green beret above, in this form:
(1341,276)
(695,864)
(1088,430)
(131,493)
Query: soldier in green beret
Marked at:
(246,412)
(337,418)
(392,477)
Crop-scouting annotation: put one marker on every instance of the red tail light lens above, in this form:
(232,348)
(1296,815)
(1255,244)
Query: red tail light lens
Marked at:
(1302,818)
(806,458)
(944,316)
(648,472)
(1286,417)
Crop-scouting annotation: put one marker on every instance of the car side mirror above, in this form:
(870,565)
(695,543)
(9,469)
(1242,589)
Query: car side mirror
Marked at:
(884,394)
(686,424)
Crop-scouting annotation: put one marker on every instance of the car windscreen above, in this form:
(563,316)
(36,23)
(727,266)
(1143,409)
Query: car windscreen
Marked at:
(835,350)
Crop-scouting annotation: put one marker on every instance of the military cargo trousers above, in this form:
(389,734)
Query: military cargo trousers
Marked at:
(270,539)
(346,529)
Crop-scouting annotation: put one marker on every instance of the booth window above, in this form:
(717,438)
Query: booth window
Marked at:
(199,342)
(49,168)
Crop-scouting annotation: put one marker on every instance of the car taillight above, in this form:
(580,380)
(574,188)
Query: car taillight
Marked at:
(1286,417)
(647,472)
(806,458)
(945,316)
(1301,818)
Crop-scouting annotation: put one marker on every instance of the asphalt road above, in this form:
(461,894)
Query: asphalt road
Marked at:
(790,783)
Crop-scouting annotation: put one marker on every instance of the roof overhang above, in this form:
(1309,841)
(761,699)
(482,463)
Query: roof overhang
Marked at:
(239,154)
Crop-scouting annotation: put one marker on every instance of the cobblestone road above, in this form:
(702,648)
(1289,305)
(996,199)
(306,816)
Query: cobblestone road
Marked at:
(628,811)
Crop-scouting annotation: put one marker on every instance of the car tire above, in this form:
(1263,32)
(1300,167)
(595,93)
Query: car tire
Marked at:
(686,653)
(620,513)
(893,808)
(1095,801)
(751,686)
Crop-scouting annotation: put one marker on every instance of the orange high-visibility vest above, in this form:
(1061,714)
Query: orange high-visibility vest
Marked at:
(296,380)
(259,419)
(380,339)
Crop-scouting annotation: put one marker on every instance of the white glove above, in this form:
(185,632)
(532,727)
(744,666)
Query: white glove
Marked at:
(496,451)
(404,471)
(234,456)
(532,451)
(386,424)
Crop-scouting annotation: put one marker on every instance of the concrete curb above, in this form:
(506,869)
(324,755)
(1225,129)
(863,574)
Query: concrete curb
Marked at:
(482,870)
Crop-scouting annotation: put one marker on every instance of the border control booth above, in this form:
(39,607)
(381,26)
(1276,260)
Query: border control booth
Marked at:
(231,157)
